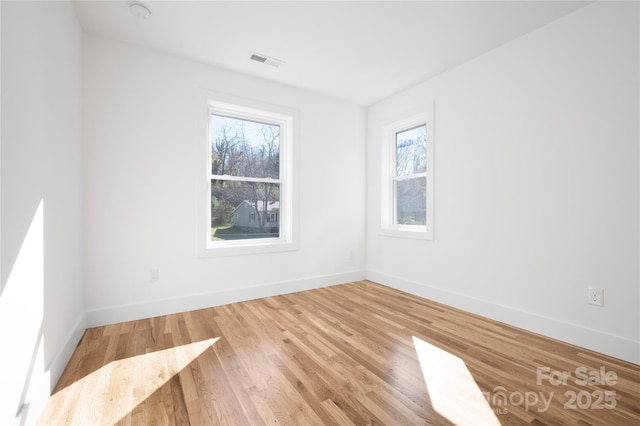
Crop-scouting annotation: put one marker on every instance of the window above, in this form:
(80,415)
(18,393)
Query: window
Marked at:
(409,181)
(407,198)
(249,181)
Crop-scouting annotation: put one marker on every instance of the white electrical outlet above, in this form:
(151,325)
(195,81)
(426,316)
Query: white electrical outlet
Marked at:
(154,275)
(595,296)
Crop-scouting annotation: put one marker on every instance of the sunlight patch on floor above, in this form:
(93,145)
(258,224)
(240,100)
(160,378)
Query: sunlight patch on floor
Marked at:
(453,392)
(114,390)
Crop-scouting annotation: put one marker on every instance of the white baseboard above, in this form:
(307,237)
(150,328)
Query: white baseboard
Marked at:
(41,382)
(608,344)
(112,315)
(61,359)
(28,413)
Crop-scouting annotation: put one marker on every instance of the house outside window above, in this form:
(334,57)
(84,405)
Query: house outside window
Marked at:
(407,187)
(250,203)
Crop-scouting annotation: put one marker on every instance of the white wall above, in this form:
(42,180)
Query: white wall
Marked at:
(536,188)
(536,183)
(41,291)
(142,140)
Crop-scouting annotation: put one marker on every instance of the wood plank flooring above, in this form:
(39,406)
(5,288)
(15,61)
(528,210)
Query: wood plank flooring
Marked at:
(358,353)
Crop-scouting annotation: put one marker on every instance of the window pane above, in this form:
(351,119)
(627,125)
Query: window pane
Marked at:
(244,210)
(411,201)
(411,151)
(244,148)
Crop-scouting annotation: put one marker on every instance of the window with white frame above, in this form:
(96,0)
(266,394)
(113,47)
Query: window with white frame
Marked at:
(407,187)
(249,181)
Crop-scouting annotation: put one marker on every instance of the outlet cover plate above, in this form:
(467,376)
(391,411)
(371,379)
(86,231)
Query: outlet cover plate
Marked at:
(595,296)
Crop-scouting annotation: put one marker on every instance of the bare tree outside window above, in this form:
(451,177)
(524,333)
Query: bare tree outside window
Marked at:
(410,182)
(245,178)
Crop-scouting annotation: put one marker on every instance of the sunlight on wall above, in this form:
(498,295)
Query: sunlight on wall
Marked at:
(22,371)
(453,392)
(113,391)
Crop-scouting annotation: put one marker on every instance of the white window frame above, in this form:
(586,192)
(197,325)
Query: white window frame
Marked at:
(287,119)
(388,227)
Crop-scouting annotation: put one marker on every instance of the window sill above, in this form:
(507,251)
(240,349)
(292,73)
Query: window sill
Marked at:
(417,234)
(246,247)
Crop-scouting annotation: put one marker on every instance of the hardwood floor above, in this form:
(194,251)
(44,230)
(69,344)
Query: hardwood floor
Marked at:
(358,353)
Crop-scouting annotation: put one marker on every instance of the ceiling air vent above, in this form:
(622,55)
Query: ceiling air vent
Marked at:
(266,60)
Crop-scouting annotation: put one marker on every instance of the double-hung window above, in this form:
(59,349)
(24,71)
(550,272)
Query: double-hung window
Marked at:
(409,177)
(407,187)
(249,201)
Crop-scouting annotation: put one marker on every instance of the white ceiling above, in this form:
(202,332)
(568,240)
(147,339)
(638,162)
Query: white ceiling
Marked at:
(359,51)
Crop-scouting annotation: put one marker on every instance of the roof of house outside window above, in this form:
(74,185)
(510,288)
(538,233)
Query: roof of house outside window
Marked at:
(272,206)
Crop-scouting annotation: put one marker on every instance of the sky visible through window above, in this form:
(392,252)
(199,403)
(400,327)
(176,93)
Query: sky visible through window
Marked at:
(411,151)
(251,131)
(410,181)
(245,185)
